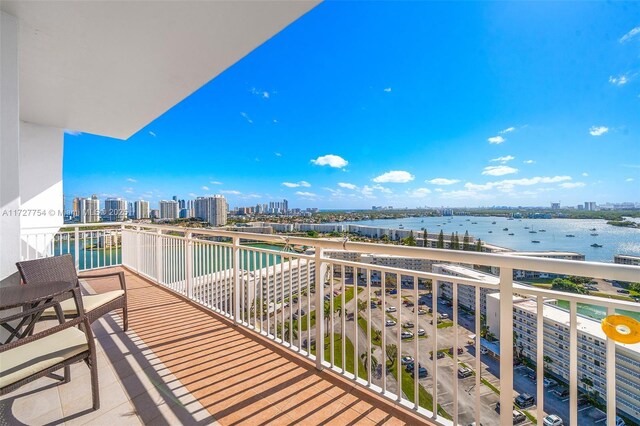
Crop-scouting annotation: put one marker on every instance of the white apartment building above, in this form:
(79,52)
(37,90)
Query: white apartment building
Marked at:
(169,209)
(321,227)
(276,282)
(141,209)
(212,209)
(89,209)
(519,274)
(466,293)
(115,210)
(625,259)
(591,349)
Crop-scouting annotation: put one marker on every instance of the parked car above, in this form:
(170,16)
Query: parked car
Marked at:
(406,360)
(583,401)
(408,324)
(389,323)
(518,417)
(525,400)
(464,372)
(394,291)
(532,376)
(421,332)
(549,383)
(552,420)
(422,373)
(422,311)
(406,334)
(409,367)
(619,421)
(438,355)
(373,305)
(391,309)
(443,316)
(623,291)
(562,392)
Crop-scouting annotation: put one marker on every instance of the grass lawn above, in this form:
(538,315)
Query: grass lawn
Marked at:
(445,324)
(611,296)
(337,305)
(425,399)
(337,354)
(363,325)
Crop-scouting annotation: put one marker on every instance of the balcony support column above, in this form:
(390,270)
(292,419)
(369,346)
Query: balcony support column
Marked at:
(189,265)
(159,259)
(236,280)
(506,346)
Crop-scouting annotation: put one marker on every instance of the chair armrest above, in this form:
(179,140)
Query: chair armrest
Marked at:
(120,276)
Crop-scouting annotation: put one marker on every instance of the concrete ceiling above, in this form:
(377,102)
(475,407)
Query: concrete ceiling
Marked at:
(112,67)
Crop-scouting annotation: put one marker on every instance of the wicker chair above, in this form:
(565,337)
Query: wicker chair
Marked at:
(62,268)
(32,357)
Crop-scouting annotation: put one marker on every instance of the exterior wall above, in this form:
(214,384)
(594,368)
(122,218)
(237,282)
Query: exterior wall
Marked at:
(626,260)
(9,148)
(321,227)
(466,293)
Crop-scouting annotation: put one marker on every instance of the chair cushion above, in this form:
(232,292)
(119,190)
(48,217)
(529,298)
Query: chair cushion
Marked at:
(89,302)
(21,362)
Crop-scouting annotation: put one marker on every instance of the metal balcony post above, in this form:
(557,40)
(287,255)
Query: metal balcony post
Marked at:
(138,249)
(159,259)
(189,265)
(319,283)
(506,346)
(236,279)
(76,247)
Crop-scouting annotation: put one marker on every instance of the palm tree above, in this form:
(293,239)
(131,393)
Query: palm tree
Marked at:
(547,360)
(327,317)
(362,305)
(392,354)
(365,360)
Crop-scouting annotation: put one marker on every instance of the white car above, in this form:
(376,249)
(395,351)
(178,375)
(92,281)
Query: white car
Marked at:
(421,332)
(549,383)
(391,309)
(389,323)
(406,334)
(406,360)
(483,351)
(552,420)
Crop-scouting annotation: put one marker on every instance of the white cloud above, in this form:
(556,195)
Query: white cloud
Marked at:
(131,180)
(442,181)
(585,174)
(347,185)
(382,189)
(628,180)
(394,176)
(499,170)
(571,185)
(388,89)
(246,117)
(306,194)
(420,193)
(128,190)
(152,133)
(277,154)
(72,132)
(296,184)
(259,92)
(215,182)
(205,188)
(619,81)
(504,159)
(331,161)
(628,36)
(496,139)
(598,130)
(528,161)
(438,189)
(193,195)
(508,184)
(231,192)
(507,130)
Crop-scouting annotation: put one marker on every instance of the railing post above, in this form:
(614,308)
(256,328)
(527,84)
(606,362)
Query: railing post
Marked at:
(121,246)
(138,249)
(189,265)
(76,246)
(159,259)
(319,278)
(506,346)
(236,279)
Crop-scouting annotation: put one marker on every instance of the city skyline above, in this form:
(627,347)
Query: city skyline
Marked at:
(384,111)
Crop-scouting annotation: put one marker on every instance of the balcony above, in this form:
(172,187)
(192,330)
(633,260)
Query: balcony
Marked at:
(195,291)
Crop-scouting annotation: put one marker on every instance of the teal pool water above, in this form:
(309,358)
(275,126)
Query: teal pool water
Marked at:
(596,312)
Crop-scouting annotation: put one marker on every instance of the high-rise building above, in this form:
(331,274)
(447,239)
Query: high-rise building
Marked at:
(590,205)
(154,214)
(75,212)
(115,209)
(212,209)
(174,198)
(141,209)
(89,209)
(169,209)
(555,206)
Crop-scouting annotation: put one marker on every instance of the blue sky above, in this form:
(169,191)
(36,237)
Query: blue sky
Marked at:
(404,104)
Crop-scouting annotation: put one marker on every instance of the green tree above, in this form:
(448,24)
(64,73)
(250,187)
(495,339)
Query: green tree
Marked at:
(392,354)
(547,360)
(425,237)
(456,242)
(465,241)
(440,243)
(327,317)
(452,241)
(479,245)
(410,240)
(312,234)
(562,284)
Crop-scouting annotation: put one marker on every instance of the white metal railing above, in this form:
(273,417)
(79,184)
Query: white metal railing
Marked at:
(322,307)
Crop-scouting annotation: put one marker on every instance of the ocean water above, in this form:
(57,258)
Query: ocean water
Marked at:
(614,240)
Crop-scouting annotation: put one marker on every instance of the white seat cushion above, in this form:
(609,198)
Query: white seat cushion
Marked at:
(31,358)
(89,302)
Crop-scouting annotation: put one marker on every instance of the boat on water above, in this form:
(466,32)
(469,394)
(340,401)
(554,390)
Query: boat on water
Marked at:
(570,235)
(535,241)
(593,229)
(542,230)
(510,218)
(511,233)
(596,245)
(493,223)
(491,232)
(467,220)
(474,223)
(533,232)
(526,227)
(505,229)
(595,234)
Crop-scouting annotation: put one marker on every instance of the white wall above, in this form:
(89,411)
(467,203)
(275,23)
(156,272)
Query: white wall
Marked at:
(9,146)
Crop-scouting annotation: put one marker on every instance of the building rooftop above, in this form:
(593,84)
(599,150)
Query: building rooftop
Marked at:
(182,364)
(550,253)
(468,272)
